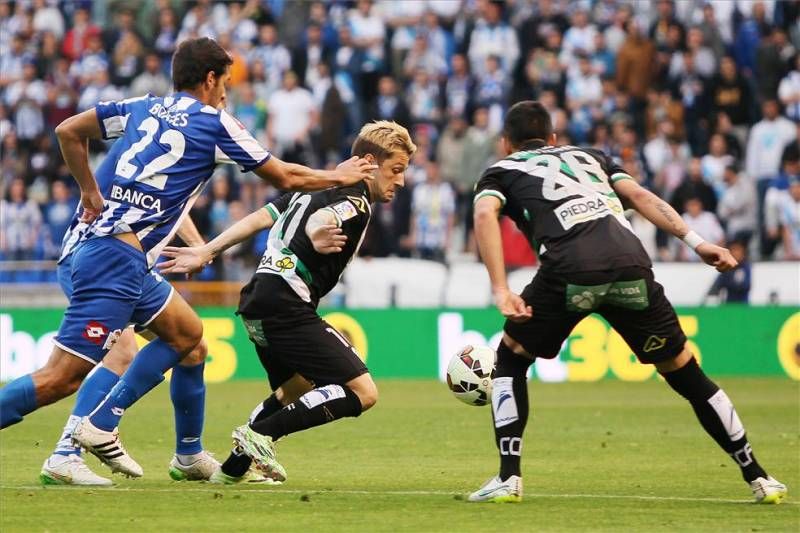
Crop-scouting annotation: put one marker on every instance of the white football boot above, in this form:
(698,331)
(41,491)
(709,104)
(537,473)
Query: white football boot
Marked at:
(107,447)
(199,470)
(497,491)
(70,470)
(768,490)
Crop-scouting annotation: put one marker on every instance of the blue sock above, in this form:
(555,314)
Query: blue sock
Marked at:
(188,392)
(146,371)
(17,399)
(95,387)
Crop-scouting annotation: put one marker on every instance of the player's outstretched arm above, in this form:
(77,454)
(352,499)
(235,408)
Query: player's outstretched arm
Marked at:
(487,233)
(191,259)
(666,218)
(292,177)
(73,134)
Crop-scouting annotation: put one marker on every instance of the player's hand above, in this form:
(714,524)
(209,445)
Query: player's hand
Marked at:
(356,169)
(184,260)
(512,306)
(716,256)
(92,203)
(328,239)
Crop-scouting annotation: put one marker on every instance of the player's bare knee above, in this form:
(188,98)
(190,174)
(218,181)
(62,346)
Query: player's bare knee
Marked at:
(675,363)
(188,338)
(197,355)
(367,393)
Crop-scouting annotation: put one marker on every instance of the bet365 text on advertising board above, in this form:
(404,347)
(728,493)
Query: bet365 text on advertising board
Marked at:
(410,343)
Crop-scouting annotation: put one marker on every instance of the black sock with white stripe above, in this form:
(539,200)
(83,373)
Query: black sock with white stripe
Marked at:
(510,408)
(238,463)
(314,408)
(717,415)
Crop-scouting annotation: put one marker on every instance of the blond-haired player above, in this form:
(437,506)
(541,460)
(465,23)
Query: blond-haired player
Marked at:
(313,370)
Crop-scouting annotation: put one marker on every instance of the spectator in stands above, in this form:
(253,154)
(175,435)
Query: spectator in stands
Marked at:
(152,80)
(730,93)
(584,93)
(790,221)
(99,89)
(333,116)
(712,34)
(20,223)
(57,216)
(770,64)
(737,207)
(26,98)
(166,37)
(272,54)
(93,60)
(705,62)
(240,26)
(635,71)
(703,221)
(251,113)
(672,174)
(689,88)
(423,99)
(309,55)
(127,54)
(664,23)
(733,286)
(77,38)
(318,14)
(292,115)
(693,186)
(47,18)
(789,91)
(433,210)
(491,91)
(578,41)
(768,138)
(492,37)
(715,161)
(604,60)
(368,31)
(775,198)
(459,87)
(389,105)
(421,56)
(723,126)
(534,30)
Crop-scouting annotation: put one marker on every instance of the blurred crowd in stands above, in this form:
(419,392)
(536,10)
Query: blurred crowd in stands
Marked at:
(698,100)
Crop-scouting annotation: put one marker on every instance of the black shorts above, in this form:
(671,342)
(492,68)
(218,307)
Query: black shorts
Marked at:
(310,347)
(628,298)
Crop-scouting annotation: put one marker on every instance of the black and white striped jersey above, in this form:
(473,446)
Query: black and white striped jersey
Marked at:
(562,200)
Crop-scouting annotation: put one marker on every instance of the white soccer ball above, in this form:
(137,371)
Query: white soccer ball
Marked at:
(470,374)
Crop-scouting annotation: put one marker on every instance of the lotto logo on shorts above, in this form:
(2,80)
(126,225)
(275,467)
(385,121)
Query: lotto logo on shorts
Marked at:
(94,332)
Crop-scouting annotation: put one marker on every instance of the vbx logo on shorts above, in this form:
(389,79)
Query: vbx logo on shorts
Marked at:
(94,332)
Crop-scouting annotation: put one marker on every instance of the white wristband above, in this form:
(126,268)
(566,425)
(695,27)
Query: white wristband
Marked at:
(693,240)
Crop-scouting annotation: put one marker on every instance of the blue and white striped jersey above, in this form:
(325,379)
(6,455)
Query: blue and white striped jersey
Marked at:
(104,176)
(168,149)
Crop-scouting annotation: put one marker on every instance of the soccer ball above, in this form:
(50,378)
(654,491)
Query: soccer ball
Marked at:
(470,374)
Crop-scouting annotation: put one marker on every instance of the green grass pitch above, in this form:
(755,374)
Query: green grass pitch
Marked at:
(606,456)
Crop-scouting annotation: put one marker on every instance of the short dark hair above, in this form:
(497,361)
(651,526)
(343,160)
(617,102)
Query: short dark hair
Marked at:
(527,121)
(194,59)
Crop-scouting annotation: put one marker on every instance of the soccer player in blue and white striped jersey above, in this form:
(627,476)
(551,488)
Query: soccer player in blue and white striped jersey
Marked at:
(171,146)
